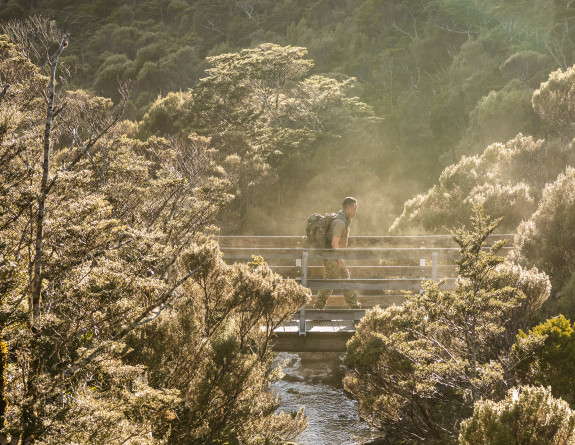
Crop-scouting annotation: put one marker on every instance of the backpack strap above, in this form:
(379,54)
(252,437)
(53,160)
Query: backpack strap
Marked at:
(344,218)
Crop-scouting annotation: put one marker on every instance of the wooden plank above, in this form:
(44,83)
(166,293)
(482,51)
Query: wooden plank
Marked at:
(376,254)
(418,241)
(367,284)
(333,314)
(312,342)
(260,241)
(354,241)
(324,326)
(337,302)
(246,253)
(448,271)
(331,326)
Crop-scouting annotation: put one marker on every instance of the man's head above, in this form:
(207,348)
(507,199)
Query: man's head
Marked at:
(350,206)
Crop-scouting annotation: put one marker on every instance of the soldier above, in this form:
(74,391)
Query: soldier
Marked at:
(339,234)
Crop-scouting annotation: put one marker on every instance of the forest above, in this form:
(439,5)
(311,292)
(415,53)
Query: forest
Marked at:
(133,132)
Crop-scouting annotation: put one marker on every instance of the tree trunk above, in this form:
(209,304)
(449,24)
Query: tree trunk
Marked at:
(3,401)
(29,419)
(36,287)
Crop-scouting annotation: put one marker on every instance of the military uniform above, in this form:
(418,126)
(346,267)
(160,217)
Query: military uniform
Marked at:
(340,226)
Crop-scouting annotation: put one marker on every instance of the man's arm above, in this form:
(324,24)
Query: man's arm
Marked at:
(335,245)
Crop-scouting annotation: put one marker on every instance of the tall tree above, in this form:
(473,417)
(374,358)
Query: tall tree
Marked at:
(121,219)
(417,369)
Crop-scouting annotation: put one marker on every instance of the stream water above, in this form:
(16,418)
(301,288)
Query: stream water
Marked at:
(315,381)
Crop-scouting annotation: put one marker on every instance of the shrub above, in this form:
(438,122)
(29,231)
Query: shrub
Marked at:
(553,101)
(528,416)
(547,239)
(417,369)
(547,354)
(491,180)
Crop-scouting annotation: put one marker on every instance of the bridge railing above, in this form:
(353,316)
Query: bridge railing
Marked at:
(382,268)
(375,263)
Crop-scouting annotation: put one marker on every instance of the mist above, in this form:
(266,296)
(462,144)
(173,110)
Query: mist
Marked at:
(361,165)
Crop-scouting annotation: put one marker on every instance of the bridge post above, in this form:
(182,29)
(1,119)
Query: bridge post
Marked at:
(304,271)
(434,265)
(422,264)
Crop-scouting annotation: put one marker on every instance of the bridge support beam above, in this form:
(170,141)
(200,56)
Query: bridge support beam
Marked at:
(312,342)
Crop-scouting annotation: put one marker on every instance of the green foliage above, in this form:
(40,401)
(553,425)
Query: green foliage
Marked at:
(121,222)
(547,356)
(417,369)
(507,179)
(528,67)
(546,240)
(443,74)
(529,415)
(167,115)
(265,111)
(553,101)
(565,303)
(246,113)
(12,9)
(501,115)
(213,346)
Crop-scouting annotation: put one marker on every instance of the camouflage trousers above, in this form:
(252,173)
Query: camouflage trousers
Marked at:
(333,271)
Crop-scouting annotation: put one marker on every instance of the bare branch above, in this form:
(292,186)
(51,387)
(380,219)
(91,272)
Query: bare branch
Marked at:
(36,288)
(3,92)
(37,37)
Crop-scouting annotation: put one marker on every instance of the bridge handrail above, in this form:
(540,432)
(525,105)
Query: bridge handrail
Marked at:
(354,241)
(367,271)
(367,253)
(430,247)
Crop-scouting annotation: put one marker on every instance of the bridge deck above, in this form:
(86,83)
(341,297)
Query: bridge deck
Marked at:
(321,336)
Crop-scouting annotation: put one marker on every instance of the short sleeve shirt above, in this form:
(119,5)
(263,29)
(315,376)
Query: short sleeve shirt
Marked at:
(341,229)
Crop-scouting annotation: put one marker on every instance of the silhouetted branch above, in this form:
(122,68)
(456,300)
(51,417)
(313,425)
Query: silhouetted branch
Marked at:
(3,92)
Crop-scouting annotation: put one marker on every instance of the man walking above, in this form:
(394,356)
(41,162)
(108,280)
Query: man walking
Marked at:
(339,235)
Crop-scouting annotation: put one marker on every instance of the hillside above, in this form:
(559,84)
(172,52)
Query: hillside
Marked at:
(446,78)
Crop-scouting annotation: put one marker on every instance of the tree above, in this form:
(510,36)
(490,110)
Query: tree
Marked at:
(547,357)
(261,109)
(546,240)
(167,116)
(212,346)
(501,115)
(41,37)
(417,369)
(121,219)
(507,179)
(529,415)
(46,243)
(249,87)
(553,102)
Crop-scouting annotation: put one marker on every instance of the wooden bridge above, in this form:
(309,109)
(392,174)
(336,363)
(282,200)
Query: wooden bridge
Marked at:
(383,269)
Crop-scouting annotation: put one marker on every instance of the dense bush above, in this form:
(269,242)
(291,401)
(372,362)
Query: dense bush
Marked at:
(507,179)
(266,117)
(546,357)
(99,265)
(528,416)
(417,369)
(553,101)
(547,238)
(447,79)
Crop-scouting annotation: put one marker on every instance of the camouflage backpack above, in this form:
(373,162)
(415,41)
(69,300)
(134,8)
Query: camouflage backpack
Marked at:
(317,230)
